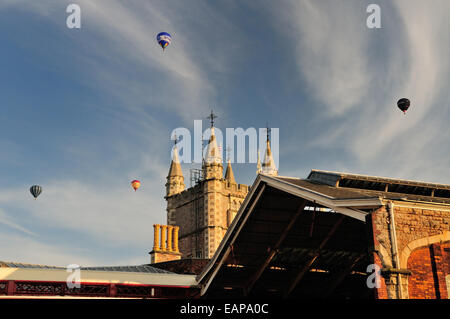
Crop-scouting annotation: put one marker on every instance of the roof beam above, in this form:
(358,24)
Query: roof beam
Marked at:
(273,250)
(341,276)
(313,219)
(343,206)
(231,243)
(313,258)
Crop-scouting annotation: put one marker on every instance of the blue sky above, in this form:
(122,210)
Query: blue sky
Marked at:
(85,111)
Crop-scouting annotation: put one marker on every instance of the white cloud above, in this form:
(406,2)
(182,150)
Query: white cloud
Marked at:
(103,213)
(8,221)
(71,220)
(331,51)
(30,250)
(359,74)
(116,52)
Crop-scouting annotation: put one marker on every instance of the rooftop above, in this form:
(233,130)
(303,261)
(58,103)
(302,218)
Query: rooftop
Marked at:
(137,268)
(345,184)
(286,225)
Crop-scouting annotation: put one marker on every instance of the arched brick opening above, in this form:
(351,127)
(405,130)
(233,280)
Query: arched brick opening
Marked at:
(429,266)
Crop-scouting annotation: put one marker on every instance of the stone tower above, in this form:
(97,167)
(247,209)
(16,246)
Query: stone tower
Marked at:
(204,211)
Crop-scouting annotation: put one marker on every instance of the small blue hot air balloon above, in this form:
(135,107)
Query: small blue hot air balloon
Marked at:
(164,39)
(35,190)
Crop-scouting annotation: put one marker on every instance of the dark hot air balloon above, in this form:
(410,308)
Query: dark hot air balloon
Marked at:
(403,104)
(35,190)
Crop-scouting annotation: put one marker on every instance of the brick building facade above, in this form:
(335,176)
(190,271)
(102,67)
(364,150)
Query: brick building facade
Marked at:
(419,265)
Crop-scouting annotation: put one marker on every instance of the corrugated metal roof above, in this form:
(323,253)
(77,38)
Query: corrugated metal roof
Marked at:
(340,175)
(11,264)
(134,268)
(353,192)
(140,268)
(334,192)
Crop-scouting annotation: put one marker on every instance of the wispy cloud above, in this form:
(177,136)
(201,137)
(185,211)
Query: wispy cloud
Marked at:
(9,222)
(18,248)
(116,52)
(331,52)
(76,217)
(358,74)
(349,78)
(90,211)
(130,31)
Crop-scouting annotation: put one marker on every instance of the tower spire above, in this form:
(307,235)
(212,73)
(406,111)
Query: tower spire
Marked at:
(268,130)
(175,178)
(229,176)
(268,165)
(211,118)
(175,166)
(212,167)
(258,165)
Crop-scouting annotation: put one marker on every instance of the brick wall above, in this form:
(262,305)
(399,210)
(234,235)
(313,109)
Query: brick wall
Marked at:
(382,292)
(419,232)
(447,279)
(429,267)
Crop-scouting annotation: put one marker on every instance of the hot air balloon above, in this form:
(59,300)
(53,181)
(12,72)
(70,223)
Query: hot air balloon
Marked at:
(164,39)
(135,184)
(35,190)
(403,104)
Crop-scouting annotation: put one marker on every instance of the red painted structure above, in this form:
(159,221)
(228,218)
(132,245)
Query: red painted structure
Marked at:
(90,289)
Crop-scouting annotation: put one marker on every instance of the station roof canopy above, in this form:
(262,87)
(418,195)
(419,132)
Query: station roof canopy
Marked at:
(389,188)
(141,281)
(133,268)
(305,237)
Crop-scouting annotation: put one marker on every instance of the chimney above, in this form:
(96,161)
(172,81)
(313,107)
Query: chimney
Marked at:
(167,248)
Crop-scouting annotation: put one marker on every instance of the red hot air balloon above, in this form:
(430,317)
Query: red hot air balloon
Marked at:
(135,184)
(403,104)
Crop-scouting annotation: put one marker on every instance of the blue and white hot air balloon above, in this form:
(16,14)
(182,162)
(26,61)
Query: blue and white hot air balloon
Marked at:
(164,39)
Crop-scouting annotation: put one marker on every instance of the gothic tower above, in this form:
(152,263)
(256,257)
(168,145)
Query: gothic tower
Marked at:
(204,211)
